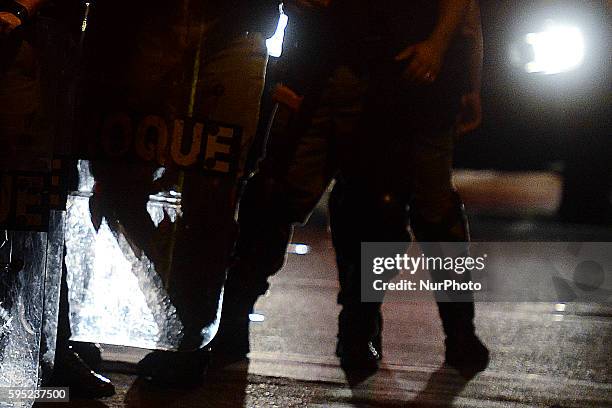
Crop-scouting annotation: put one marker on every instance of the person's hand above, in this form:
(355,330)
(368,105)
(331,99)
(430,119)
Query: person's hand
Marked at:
(8,22)
(425,61)
(470,115)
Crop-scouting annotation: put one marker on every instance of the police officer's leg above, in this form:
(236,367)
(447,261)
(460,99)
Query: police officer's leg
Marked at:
(289,184)
(438,215)
(265,225)
(361,212)
(264,233)
(286,190)
(365,205)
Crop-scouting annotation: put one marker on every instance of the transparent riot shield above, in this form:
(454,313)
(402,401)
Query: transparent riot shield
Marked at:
(164,118)
(31,248)
(31,233)
(30,273)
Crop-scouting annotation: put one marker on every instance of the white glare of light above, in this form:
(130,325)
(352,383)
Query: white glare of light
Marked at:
(256,317)
(556,49)
(299,249)
(560,307)
(85,17)
(275,43)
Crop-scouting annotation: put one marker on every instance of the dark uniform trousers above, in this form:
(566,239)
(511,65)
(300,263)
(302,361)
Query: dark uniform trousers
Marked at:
(372,137)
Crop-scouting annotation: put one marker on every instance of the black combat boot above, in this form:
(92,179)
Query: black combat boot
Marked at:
(360,323)
(464,350)
(71,371)
(175,369)
(231,344)
(90,353)
(360,336)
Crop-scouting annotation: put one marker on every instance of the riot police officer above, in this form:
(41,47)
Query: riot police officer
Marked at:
(379,113)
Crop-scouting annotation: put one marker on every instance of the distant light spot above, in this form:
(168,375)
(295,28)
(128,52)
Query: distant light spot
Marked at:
(256,317)
(298,249)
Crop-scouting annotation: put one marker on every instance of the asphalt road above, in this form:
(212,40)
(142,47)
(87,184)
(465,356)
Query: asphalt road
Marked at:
(542,354)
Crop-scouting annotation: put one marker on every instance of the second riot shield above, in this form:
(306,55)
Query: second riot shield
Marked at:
(165,117)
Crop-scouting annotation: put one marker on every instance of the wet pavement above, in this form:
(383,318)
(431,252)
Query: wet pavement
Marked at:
(542,354)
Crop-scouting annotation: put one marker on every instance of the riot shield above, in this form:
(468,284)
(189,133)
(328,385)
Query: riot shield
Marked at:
(164,118)
(30,268)
(31,232)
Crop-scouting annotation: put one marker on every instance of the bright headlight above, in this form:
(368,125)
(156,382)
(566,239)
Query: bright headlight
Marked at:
(556,49)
